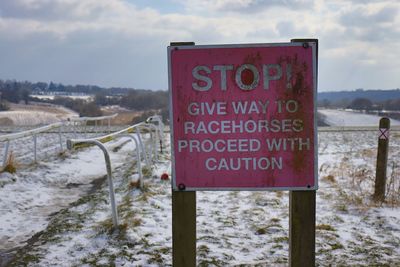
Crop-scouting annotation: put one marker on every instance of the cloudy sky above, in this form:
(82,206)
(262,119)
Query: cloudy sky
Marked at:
(123,42)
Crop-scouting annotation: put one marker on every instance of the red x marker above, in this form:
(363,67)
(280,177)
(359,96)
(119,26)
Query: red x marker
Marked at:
(384,133)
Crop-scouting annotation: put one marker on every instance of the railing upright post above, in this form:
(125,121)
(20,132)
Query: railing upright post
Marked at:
(142,147)
(74,127)
(71,143)
(110,183)
(155,142)
(35,147)
(60,138)
(6,153)
(138,159)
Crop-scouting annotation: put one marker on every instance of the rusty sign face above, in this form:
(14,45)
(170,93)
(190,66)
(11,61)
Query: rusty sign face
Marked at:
(243,116)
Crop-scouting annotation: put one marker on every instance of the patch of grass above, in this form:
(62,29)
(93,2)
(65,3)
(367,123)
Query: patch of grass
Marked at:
(134,185)
(63,154)
(275,220)
(227,221)
(325,227)
(338,219)
(106,139)
(335,246)
(146,194)
(147,172)
(11,166)
(107,227)
(261,231)
(203,251)
(25,259)
(329,178)
(277,246)
(281,239)
(211,262)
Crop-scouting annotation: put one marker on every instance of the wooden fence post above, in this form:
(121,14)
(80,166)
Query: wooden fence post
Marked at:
(381,160)
(302,205)
(302,228)
(183,222)
(183,229)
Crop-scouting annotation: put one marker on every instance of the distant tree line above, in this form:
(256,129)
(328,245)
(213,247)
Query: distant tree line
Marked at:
(362,103)
(81,106)
(133,99)
(27,87)
(13,91)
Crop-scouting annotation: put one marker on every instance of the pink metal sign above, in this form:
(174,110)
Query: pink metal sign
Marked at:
(243,116)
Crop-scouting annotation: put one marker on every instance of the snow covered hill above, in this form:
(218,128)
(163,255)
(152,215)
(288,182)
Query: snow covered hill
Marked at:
(31,115)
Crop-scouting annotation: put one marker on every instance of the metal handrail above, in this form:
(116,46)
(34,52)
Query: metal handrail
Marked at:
(98,141)
(13,136)
(93,118)
(109,174)
(81,120)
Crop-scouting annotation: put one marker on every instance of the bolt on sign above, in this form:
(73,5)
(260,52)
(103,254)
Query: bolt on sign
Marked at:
(243,116)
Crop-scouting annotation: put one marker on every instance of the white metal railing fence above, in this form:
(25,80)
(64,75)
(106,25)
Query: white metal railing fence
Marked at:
(98,141)
(34,133)
(81,124)
(73,122)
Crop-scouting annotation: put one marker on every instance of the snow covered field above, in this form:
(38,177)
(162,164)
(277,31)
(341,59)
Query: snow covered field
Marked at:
(83,97)
(335,117)
(57,213)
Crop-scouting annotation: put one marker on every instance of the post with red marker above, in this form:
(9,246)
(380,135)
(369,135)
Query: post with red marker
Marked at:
(381,161)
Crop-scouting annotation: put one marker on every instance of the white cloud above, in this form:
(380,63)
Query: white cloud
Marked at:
(117,43)
(244,6)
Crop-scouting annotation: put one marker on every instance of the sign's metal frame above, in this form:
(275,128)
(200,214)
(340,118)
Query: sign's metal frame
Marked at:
(311,45)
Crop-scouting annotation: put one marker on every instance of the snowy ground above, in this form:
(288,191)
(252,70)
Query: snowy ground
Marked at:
(335,117)
(57,213)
